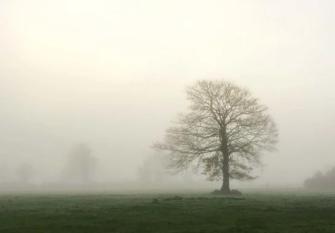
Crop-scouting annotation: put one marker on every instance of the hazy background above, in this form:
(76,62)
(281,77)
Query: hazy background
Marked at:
(112,74)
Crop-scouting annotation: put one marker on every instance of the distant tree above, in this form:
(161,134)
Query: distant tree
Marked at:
(224,132)
(3,172)
(153,169)
(81,164)
(321,181)
(153,173)
(25,173)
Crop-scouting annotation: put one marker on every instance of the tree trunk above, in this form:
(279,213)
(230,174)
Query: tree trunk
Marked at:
(225,188)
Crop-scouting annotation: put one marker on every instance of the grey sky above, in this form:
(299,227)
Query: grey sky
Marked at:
(112,74)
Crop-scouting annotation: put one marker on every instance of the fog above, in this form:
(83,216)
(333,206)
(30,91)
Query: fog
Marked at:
(112,75)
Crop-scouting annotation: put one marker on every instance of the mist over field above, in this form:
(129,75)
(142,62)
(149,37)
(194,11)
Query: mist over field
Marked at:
(107,78)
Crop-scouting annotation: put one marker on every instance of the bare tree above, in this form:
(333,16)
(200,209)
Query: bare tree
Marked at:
(224,132)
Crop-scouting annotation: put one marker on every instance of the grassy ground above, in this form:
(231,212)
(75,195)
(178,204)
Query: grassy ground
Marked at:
(158,213)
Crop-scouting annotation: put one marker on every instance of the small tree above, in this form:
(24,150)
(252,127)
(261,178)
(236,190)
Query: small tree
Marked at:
(81,165)
(224,132)
(321,181)
(25,173)
(153,169)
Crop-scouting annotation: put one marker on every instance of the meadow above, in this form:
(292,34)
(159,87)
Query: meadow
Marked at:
(182,213)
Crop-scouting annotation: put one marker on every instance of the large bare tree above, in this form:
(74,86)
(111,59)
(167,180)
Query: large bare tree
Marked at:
(223,133)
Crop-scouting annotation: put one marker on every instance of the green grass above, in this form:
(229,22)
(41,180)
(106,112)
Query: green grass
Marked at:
(266,213)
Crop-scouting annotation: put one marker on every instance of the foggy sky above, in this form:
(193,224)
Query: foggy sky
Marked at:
(112,74)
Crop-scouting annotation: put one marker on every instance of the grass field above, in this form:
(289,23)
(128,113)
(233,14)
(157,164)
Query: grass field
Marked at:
(166,213)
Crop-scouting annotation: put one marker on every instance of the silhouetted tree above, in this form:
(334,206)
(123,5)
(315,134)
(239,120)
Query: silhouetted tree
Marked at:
(153,169)
(224,132)
(81,164)
(321,181)
(153,173)
(25,173)
(3,172)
